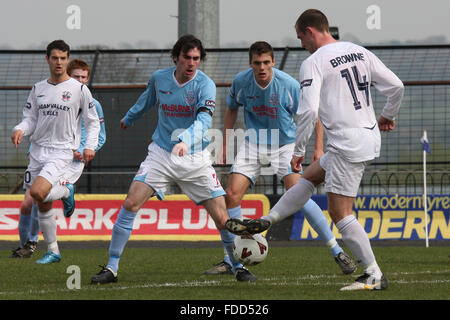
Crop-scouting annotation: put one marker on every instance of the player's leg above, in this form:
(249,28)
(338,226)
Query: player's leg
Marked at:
(217,210)
(34,231)
(25,218)
(30,245)
(310,210)
(341,184)
(355,238)
(202,186)
(138,194)
(44,191)
(24,227)
(237,186)
(67,181)
(289,203)
(141,189)
(314,214)
(39,191)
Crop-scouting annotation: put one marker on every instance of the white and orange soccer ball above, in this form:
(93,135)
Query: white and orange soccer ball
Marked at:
(250,249)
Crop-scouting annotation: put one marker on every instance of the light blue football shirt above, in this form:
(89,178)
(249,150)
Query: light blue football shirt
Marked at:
(266,109)
(102,133)
(178,117)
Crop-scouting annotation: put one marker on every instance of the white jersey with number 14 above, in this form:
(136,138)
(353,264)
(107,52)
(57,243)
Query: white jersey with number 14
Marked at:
(335,84)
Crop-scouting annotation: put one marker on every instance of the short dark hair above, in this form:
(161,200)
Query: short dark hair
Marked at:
(78,64)
(312,18)
(186,43)
(58,44)
(260,47)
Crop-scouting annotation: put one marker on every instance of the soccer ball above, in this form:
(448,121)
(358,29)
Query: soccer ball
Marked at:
(250,249)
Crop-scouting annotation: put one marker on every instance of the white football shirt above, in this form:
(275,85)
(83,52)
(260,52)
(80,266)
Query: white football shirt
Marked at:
(52,115)
(335,84)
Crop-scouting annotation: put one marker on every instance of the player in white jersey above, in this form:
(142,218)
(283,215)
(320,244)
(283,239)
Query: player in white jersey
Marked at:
(185,98)
(50,118)
(336,82)
(29,220)
(269,98)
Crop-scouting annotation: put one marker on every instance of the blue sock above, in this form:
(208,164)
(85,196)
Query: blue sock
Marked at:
(24,228)
(119,238)
(34,232)
(233,213)
(319,223)
(227,241)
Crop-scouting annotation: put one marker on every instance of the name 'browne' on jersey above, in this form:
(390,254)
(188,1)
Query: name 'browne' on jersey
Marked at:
(268,108)
(178,106)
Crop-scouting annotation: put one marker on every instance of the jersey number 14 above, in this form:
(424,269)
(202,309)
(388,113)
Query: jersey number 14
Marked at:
(361,85)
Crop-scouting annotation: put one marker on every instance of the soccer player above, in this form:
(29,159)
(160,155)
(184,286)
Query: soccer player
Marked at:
(29,220)
(185,98)
(50,117)
(335,83)
(80,70)
(270,99)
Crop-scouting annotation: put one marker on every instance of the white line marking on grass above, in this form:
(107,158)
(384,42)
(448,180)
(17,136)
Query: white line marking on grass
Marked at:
(306,280)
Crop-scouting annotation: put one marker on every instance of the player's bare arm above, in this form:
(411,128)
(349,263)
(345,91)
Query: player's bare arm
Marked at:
(318,145)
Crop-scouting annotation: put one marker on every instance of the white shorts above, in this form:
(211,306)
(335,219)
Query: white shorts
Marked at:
(49,163)
(193,173)
(254,160)
(73,172)
(342,177)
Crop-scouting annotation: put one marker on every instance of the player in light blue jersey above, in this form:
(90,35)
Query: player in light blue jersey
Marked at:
(185,98)
(270,100)
(28,220)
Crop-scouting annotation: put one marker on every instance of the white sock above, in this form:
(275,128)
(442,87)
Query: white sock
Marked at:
(293,200)
(355,238)
(47,223)
(56,193)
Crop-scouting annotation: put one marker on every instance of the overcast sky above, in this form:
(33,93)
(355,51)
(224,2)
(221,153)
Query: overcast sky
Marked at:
(153,24)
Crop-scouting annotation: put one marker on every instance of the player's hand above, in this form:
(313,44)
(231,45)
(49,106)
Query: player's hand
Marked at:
(180,149)
(122,125)
(317,154)
(296,163)
(386,124)
(16,137)
(88,155)
(77,156)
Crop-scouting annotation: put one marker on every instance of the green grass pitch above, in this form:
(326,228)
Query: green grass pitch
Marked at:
(288,273)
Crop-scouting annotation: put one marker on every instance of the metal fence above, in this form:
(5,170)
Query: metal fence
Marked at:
(118,77)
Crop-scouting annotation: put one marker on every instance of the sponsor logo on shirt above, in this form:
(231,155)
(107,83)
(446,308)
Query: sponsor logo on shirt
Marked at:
(265,111)
(177,111)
